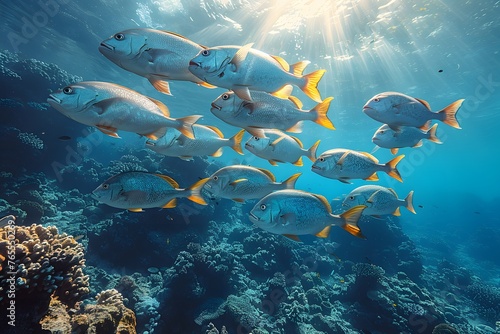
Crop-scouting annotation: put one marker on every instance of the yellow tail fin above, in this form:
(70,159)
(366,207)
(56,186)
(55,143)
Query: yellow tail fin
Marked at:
(321,110)
(432,134)
(448,114)
(236,141)
(310,86)
(391,168)
(186,125)
(350,220)
(195,191)
(409,202)
(311,153)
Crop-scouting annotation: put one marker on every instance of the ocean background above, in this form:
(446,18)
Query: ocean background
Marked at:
(439,51)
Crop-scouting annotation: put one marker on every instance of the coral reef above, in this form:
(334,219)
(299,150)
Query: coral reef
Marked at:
(107,315)
(43,263)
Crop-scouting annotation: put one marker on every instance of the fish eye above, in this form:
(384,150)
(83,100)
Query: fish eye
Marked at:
(215,178)
(382,131)
(205,52)
(351,197)
(119,36)
(256,138)
(105,186)
(262,207)
(376,99)
(67,90)
(321,159)
(225,96)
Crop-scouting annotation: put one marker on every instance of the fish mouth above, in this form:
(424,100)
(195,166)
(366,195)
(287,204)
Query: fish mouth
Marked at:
(253,217)
(365,108)
(216,106)
(315,167)
(150,143)
(248,145)
(52,98)
(193,63)
(107,46)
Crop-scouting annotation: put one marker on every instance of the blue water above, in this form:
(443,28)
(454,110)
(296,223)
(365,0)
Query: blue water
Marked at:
(439,51)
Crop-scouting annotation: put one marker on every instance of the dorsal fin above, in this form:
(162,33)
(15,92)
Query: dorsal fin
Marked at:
(298,141)
(163,108)
(268,173)
(425,103)
(282,62)
(298,103)
(324,200)
(216,130)
(371,157)
(392,191)
(169,180)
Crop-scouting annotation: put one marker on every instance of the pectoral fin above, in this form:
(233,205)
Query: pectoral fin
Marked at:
(235,182)
(241,55)
(243,93)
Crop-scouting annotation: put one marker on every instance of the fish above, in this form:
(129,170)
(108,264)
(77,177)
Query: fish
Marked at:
(243,69)
(406,137)
(64,138)
(159,56)
(208,140)
(397,109)
(111,107)
(378,200)
(240,182)
(136,191)
(277,146)
(344,164)
(266,111)
(294,212)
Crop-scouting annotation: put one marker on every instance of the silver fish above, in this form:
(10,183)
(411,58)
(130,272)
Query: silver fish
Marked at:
(266,111)
(406,137)
(240,183)
(397,109)
(208,140)
(242,68)
(154,54)
(296,212)
(277,146)
(110,107)
(139,190)
(378,200)
(343,165)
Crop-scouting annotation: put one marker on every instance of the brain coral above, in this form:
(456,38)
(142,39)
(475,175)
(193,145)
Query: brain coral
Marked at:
(45,262)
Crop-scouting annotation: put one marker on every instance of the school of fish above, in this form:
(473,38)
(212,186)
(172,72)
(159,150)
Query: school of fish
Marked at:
(259,101)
